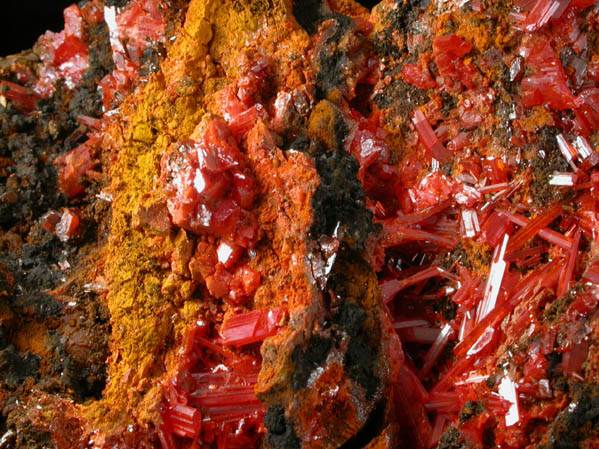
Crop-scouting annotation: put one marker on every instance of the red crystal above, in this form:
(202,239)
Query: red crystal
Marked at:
(548,85)
(251,327)
(138,24)
(582,4)
(183,420)
(228,253)
(419,334)
(72,168)
(411,409)
(390,288)
(212,396)
(434,189)
(574,358)
(532,228)
(418,75)
(397,235)
(495,227)
(429,138)
(548,234)
(166,439)
(65,53)
(209,186)
(417,217)
(475,107)
(239,102)
(447,53)
(23,98)
(367,148)
(438,429)
(543,11)
(567,274)
(443,402)
(68,225)
(588,111)
(435,350)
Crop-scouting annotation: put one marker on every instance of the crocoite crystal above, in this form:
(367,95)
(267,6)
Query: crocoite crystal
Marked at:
(454,192)
(211,399)
(209,186)
(485,196)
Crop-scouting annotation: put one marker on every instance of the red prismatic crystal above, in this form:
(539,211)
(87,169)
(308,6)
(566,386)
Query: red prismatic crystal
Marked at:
(403,324)
(208,186)
(183,420)
(438,429)
(429,138)
(239,102)
(244,121)
(443,402)
(548,85)
(566,275)
(466,295)
(67,227)
(543,11)
(419,334)
(367,148)
(390,288)
(72,168)
(398,235)
(139,24)
(574,357)
(23,98)
(435,350)
(496,275)
(588,111)
(549,89)
(531,229)
(251,327)
(436,188)
(447,53)
(527,257)
(582,4)
(228,253)
(416,217)
(495,227)
(548,234)
(65,53)
(211,398)
(90,122)
(411,408)
(166,438)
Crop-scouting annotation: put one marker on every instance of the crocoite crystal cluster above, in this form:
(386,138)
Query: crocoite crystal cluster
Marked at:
(472,127)
(492,362)
(65,59)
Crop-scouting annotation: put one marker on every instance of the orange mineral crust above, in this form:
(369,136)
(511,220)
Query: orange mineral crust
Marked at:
(302,224)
